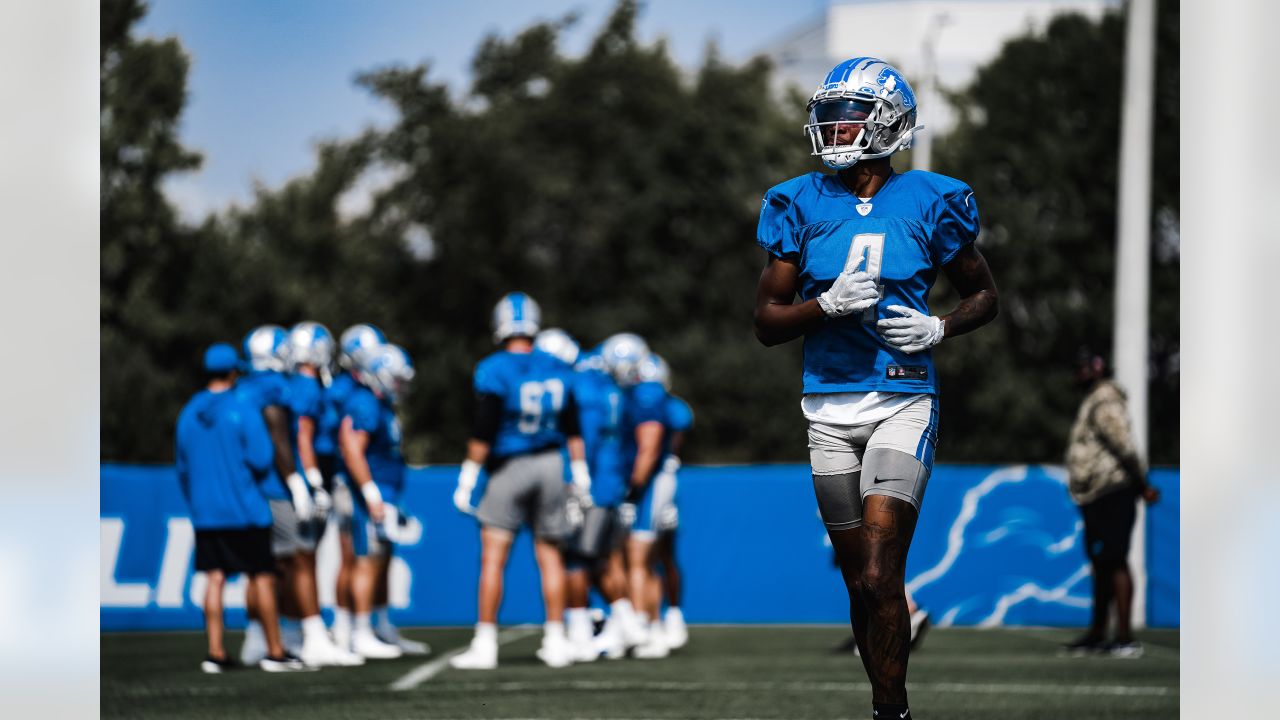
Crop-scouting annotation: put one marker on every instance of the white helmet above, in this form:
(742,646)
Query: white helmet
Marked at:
(309,343)
(264,348)
(866,102)
(355,339)
(623,354)
(385,369)
(515,315)
(559,343)
(655,369)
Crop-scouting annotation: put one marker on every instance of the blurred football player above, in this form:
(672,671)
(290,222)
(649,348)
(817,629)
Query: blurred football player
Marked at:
(667,583)
(309,350)
(223,450)
(292,506)
(524,413)
(643,436)
(355,339)
(862,247)
(369,438)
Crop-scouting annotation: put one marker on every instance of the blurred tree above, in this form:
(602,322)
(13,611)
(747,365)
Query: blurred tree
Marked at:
(143,90)
(1038,141)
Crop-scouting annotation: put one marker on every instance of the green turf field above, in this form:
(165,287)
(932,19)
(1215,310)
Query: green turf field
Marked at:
(724,672)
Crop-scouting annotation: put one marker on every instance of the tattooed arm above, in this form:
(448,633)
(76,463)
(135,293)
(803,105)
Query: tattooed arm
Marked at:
(979,299)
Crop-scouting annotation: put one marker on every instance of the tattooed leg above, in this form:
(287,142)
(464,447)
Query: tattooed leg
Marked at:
(888,524)
(848,547)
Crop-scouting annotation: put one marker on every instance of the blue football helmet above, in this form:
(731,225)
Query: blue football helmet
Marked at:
(863,110)
(310,343)
(385,370)
(655,369)
(515,315)
(356,339)
(265,348)
(559,343)
(623,354)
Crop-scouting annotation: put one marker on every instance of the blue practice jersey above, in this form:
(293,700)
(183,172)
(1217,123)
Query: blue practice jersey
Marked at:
(378,418)
(645,402)
(600,413)
(266,388)
(533,388)
(307,400)
(914,225)
(222,451)
(679,415)
(335,400)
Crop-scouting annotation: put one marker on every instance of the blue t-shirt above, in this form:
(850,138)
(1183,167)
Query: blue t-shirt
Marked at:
(265,388)
(223,450)
(645,402)
(600,414)
(914,225)
(533,387)
(307,400)
(378,418)
(335,400)
(679,414)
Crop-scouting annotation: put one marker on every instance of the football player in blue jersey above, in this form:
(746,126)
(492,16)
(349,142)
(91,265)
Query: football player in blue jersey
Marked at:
(223,451)
(287,491)
(369,438)
(667,583)
(643,434)
(525,413)
(355,339)
(309,349)
(861,248)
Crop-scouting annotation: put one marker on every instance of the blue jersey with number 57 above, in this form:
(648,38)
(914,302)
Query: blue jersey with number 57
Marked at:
(533,387)
(915,224)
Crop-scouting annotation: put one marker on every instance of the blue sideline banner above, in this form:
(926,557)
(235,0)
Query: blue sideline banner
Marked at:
(995,545)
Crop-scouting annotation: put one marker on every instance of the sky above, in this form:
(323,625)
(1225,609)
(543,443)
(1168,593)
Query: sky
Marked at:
(270,78)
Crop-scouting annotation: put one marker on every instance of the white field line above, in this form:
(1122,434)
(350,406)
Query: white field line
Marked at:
(428,670)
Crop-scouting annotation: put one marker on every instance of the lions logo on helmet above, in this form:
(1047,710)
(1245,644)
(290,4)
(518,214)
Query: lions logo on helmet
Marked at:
(515,315)
(863,110)
(264,348)
(385,370)
(655,369)
(559,343)
(623,354)
(355,339)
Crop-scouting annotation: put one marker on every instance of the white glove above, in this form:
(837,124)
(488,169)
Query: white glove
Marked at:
(627,515)
(581,482)
(852,292)
(373,499)
(911,333)
(324,502)
(400,528)
(301,494)
(467,478)
(573,510)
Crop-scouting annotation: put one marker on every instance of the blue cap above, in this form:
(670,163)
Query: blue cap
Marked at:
(221,358)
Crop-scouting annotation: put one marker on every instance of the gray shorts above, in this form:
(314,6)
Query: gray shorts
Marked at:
(891,457)
(528,490)
(288,535)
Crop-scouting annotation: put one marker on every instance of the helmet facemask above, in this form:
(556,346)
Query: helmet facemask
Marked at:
(844,130)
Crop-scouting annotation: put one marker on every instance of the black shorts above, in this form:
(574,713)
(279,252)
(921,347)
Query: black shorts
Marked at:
(1108,526)
(233,551)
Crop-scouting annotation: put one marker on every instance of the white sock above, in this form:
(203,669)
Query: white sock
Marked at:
(579,624)
(487,633)
(313,628)
(341,619)
(553,630)
(364,622)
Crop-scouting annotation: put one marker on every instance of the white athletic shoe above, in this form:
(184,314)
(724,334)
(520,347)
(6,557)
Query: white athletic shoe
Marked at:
(656,647)
(676,632)
(480,656)
(291,638)
(319,651)
(368,645)
(555,651)
(407,646)
(609,642)
(342,636)
(288,663)
(254,648)
(634,631)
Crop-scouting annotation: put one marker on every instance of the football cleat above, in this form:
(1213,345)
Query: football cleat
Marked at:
(287,663)
(677,633)
(555,651)
(1082,646)
(214,666)
(656,647)
(392,636)
(321,652)
(480,656)
(1130,650)
(366,644)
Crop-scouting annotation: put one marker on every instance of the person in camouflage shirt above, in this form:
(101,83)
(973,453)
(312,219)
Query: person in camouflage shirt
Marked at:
(1105,478)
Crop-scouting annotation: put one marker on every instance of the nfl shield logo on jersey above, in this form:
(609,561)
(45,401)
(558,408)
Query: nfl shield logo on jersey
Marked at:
(864,208)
